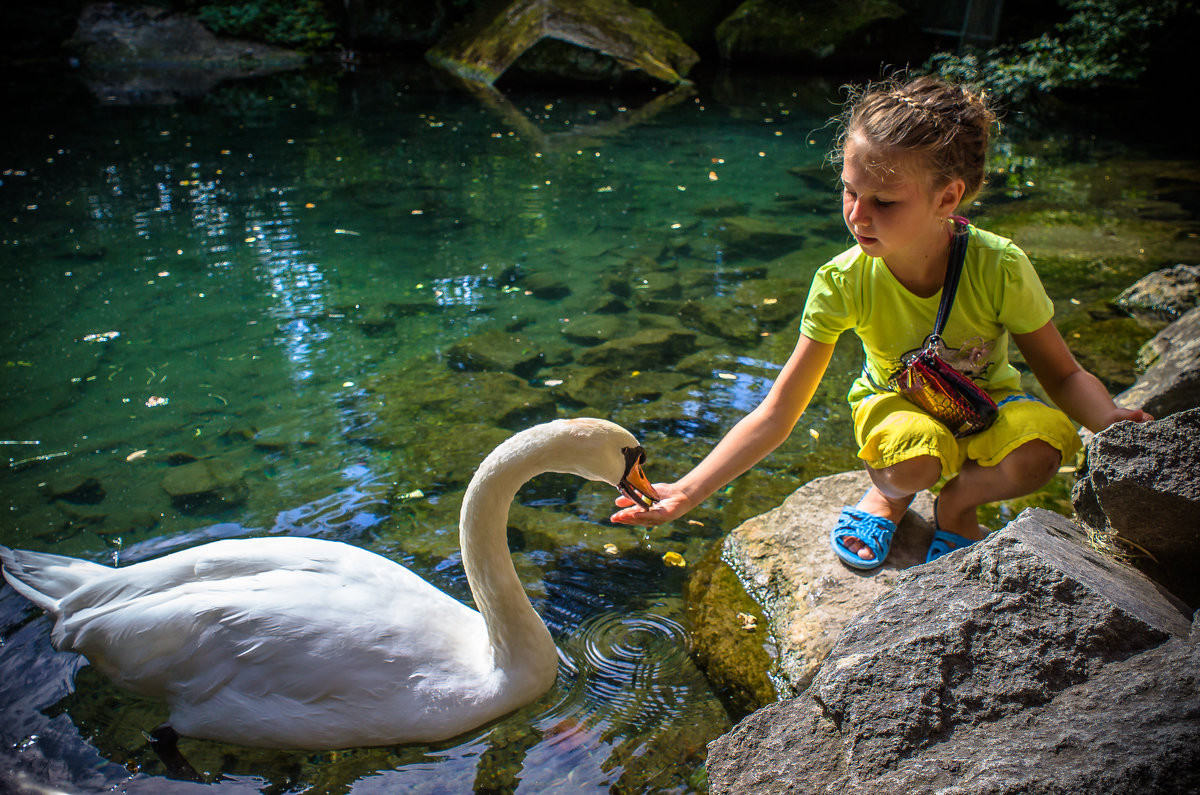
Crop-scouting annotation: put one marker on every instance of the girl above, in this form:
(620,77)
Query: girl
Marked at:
(911,154)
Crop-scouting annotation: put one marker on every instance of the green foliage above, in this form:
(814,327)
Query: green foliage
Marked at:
(300,24)
(1103,41)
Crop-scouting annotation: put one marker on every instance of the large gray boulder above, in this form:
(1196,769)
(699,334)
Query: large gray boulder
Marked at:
(1163,295)
(1171,381)
(1027,663)
(1140,484)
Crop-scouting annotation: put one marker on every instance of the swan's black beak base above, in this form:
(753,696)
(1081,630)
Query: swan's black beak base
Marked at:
(634,483)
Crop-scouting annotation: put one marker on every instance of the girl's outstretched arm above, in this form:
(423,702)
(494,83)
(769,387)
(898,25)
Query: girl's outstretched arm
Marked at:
(747,443)
(1076,391)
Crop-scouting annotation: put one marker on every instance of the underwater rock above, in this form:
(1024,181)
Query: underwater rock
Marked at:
(1163,295)
(78,489)
(546,286)
(1025,663)
(496,35)
(415,402)
(204,484)
(774,303)
(593,329)
(1171,381)
(722,207)
(757,237)
(606,388)
(721,317)
(1139,483)
(784,560)
(502,352)
(648,349)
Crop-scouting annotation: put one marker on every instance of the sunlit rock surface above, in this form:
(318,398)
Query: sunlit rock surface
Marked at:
(1166,294)
(1171,381)
(784,560)
(1027,663)
(488,43)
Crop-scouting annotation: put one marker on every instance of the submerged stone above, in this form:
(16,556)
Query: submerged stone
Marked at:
(758,236)
(78,489)
(209,482)
(649,349)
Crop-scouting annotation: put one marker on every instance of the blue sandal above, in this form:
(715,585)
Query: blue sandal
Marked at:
(944,542)
(874,531)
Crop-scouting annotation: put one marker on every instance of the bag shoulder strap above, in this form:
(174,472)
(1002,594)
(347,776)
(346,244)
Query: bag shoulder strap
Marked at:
(958,254)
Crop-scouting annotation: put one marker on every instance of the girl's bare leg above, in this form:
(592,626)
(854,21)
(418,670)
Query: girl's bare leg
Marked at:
(893,490)
(1021,472)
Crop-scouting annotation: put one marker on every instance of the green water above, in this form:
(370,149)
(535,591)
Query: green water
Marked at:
(338,291)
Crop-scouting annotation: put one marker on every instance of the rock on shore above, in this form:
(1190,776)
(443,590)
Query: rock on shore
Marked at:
(1027,663)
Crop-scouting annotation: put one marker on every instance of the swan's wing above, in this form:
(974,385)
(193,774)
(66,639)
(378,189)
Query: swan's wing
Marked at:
(301,620)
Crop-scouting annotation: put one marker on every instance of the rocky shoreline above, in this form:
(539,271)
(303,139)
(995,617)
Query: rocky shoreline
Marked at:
(1029,662)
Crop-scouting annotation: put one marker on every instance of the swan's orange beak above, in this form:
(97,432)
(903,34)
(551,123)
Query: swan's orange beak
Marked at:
(634,483)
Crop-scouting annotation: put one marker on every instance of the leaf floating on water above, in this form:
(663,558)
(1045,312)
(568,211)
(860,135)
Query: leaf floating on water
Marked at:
(770,301)
(157,401)
(727,376)
(674,559)
(415,494)
(135,455)
(553,382)
(749,622)
(611,549)
(347,232)
(814,434)
(694,523)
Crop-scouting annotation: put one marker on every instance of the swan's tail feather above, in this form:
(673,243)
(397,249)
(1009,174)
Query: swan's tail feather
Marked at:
(43,578)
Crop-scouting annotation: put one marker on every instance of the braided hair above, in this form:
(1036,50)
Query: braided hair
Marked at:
(947,126)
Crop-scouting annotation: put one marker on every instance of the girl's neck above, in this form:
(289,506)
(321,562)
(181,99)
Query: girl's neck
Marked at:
(922,269)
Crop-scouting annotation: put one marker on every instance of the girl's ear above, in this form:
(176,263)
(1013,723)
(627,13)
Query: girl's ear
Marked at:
(948,199)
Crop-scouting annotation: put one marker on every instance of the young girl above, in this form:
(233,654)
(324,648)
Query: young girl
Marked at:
(912,153)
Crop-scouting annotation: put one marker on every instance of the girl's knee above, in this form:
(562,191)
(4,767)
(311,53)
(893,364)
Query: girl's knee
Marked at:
(908,476)
(1034,463)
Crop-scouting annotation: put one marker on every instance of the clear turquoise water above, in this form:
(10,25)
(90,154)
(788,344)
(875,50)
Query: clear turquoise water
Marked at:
(275,277)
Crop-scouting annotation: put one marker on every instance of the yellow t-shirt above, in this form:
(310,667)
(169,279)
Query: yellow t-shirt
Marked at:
(999,292)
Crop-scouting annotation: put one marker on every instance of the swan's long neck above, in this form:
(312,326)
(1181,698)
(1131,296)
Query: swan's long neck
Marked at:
(517,633)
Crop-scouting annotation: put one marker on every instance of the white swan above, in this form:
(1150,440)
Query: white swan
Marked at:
(303,643)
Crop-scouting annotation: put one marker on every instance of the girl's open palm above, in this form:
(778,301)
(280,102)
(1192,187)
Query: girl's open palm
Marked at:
(672,504)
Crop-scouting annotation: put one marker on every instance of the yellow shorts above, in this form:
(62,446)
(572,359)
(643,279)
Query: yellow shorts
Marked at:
(890,429)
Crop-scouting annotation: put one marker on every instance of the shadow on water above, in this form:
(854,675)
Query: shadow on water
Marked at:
(311,304)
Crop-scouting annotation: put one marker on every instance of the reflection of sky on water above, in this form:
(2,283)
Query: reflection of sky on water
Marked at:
(296,286)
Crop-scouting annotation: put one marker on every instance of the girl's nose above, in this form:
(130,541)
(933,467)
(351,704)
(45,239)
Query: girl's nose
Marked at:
(857,214)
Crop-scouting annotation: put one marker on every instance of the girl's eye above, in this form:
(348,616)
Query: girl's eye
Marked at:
(883,204)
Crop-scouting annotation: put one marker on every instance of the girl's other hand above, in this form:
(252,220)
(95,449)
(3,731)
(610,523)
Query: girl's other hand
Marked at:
(1133,415)
(672,504)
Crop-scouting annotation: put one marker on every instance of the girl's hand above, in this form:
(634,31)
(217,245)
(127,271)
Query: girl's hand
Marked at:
(672,504)
(1133,415)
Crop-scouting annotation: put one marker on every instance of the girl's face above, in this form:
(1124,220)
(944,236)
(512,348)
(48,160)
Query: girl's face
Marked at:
(890,207)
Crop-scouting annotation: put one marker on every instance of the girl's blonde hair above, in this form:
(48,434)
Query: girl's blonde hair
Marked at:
(946,126)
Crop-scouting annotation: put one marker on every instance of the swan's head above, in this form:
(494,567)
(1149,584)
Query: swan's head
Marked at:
(598,450)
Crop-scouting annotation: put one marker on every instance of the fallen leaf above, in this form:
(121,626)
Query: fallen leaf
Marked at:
(674,559)
(135,455)
(611,549)
(749,622)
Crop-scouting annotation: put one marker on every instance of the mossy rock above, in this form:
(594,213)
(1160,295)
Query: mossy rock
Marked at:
(648,349)
(731,636)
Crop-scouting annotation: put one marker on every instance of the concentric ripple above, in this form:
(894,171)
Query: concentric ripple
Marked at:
(627,664)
